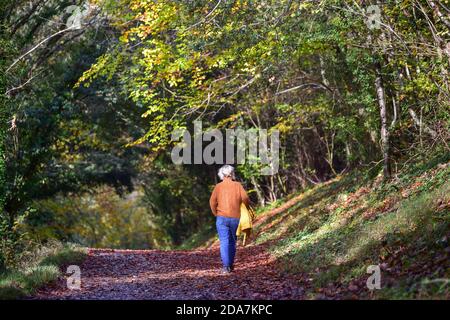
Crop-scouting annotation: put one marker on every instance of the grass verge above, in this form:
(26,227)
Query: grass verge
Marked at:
(39,267)
(339,228)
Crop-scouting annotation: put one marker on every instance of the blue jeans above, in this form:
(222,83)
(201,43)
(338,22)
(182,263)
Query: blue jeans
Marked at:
(226,228)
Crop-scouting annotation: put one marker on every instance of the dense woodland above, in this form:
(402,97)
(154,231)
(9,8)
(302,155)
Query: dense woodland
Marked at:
(92,90)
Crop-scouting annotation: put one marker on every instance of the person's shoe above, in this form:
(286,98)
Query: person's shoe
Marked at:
(226,270)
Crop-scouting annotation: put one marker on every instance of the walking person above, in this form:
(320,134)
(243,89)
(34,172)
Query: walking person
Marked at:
(225,203)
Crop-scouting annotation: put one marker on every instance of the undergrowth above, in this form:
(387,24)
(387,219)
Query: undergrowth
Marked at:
(339,228)
(37,268)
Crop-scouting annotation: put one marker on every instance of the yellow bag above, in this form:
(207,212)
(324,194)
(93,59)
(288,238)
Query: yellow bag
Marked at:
(246,222)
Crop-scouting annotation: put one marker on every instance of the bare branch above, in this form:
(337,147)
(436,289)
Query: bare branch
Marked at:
(206,17)
(22,85)
(38,45)
(312,84)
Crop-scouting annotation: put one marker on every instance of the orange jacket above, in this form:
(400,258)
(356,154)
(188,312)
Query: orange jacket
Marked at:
(227,197)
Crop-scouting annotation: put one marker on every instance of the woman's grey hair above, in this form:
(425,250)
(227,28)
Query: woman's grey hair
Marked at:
(226,171)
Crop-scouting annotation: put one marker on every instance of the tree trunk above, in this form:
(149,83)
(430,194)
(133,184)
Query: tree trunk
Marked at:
(259,194)
(385,147)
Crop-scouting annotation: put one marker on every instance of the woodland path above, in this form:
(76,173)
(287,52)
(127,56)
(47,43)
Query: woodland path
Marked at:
(194,274)
(181,274)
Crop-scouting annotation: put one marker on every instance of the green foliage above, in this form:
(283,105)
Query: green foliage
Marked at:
(100,218)
(5,51)
(308,72)
(12,243)
(60,141)
(178,200)
(200,238)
